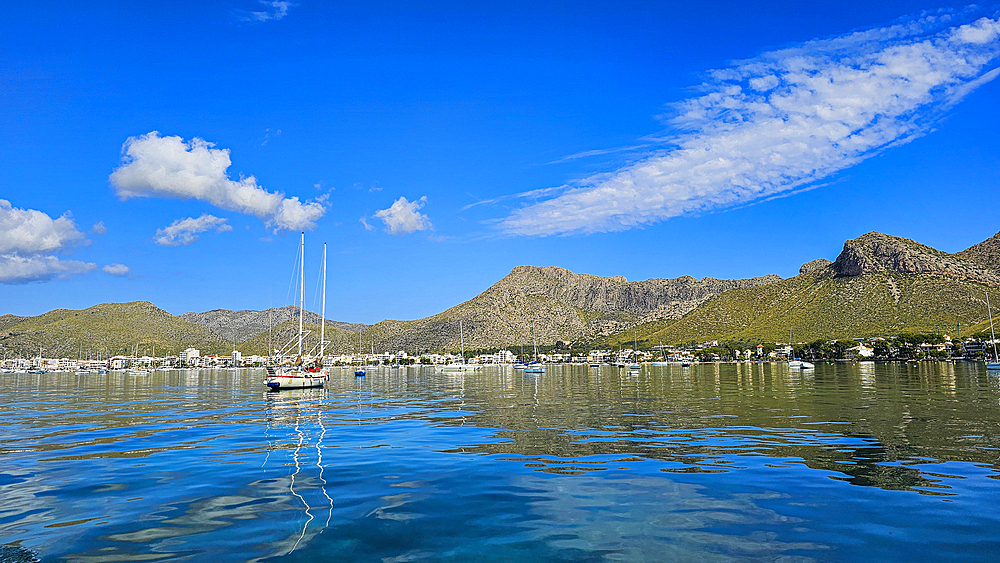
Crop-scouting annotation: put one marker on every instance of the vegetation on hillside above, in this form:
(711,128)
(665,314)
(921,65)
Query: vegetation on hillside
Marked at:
(103,330)
(822,305)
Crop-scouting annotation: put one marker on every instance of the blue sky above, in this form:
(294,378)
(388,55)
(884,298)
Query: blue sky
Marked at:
(436,146)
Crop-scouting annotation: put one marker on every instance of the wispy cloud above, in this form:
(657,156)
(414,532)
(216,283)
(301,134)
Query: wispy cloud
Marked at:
(601,152)
(781,121)
(116,269)
(28,238)
(272,11)
(99,228)
(169,167)
(402,217)
(185,231)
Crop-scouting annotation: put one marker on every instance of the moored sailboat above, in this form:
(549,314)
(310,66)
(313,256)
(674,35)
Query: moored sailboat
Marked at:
(462,366)
(534,366)
(298,374)
(995,364)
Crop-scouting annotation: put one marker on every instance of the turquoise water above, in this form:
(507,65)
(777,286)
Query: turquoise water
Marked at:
(709,463)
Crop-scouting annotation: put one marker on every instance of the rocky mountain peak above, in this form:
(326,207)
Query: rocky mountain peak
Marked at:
(814,265)
(877,252)
(615,293)
(986,253)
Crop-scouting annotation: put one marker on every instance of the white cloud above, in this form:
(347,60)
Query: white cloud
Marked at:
(781,121)
(402,217)
(116,269)
(17,269)
(169,167)
(99,228)
(275,11)
(26,235)
(185,231)
(28,231)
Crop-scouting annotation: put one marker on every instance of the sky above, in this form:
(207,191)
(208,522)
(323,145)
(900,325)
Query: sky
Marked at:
(173,152)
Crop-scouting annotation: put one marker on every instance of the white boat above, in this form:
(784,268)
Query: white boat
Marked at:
(457,367)
(995,364)
(299,375)
(634,365)
(138,371)
(462,366)
(534,366)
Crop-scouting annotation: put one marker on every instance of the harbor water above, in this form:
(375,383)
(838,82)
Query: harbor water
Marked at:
(713,462)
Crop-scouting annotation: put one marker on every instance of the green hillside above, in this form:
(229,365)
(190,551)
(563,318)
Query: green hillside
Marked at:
(823,305)
(106,329)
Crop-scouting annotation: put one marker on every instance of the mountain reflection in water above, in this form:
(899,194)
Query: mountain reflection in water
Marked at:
(713,462)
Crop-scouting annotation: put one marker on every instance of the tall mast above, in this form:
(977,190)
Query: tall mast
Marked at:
(322,322)
(461,335)
(992,334)
(534,341)
(302,283)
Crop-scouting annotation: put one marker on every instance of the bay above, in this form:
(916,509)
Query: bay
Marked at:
(716,462)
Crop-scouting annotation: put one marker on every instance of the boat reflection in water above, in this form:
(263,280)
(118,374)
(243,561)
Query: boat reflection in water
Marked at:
(301,412)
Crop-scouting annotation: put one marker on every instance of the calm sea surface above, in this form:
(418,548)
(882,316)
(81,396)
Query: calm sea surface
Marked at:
(710,463)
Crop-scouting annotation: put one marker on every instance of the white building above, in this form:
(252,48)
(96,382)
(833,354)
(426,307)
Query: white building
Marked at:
(190,355)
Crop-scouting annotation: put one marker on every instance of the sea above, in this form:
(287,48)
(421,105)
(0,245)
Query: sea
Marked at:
(714,462)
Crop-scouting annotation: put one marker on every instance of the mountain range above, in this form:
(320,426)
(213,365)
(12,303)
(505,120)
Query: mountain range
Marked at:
(878,285)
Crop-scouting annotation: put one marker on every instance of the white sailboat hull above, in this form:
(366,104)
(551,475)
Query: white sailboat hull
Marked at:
(296,380)
(458,367)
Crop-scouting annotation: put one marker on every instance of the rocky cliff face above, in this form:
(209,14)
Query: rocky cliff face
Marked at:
(876,252)
(673,297)
(245,325)
(814,266)
(555,304)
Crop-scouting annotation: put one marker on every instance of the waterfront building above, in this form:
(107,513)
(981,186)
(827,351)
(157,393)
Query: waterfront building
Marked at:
(190,355)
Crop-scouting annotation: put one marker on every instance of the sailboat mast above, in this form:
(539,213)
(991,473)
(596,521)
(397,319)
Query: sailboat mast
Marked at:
(302,283)
(461,335)
(534,341)
(322,321)
(992,334)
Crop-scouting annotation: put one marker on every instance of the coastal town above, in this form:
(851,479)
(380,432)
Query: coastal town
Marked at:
(905,347)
